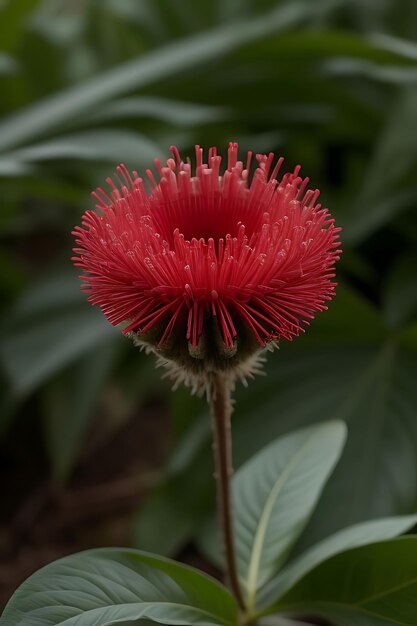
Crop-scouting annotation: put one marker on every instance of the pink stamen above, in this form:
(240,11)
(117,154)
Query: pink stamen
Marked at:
(251,251)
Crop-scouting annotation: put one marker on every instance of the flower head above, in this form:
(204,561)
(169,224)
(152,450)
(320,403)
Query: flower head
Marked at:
(208,267)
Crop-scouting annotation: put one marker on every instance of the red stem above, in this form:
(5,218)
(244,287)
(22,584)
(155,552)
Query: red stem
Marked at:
(221,410)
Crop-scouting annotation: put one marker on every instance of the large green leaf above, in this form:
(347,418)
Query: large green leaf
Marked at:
(109,586)
(167,61)
(370,585)
(274,495)
(348,538)
(368,382)
(373,390)
(350,367)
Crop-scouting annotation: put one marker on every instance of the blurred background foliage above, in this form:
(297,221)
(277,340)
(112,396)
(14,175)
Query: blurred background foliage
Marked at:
(86,84)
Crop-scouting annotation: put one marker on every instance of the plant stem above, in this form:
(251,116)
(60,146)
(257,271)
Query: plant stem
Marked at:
(221,411)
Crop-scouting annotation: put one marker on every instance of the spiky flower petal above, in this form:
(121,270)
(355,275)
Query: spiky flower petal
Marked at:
(208,267)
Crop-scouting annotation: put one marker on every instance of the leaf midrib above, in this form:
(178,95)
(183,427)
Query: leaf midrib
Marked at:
(260,534)
(218,619)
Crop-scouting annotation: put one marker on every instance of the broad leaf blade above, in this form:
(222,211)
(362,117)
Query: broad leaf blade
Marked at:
(108,586)
(345,372)
(275,494)
(373,584)
(167,61)
(346,539)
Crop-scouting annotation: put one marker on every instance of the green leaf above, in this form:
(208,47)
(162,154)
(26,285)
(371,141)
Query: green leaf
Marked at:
(47,329)
(13,18)
(166,519)
(341,326)
(370,585)
(373,391)
(10,166)
(400,297)
(396,150)
(7,64)
(349,367)
(109,586)
(58,24)
(330,43)
(391,74)
(408,336)
(176,112)
(274,495)
(68,403)
(171,514)
(358,535)
(166,62)
(402,47)
(368,216)
(59,291)
(33,353)
(96,145)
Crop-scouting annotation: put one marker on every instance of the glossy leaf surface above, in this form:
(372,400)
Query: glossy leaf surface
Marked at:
(108,586)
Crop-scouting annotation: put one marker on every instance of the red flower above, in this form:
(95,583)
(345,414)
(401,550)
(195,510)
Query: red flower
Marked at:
(252,256)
